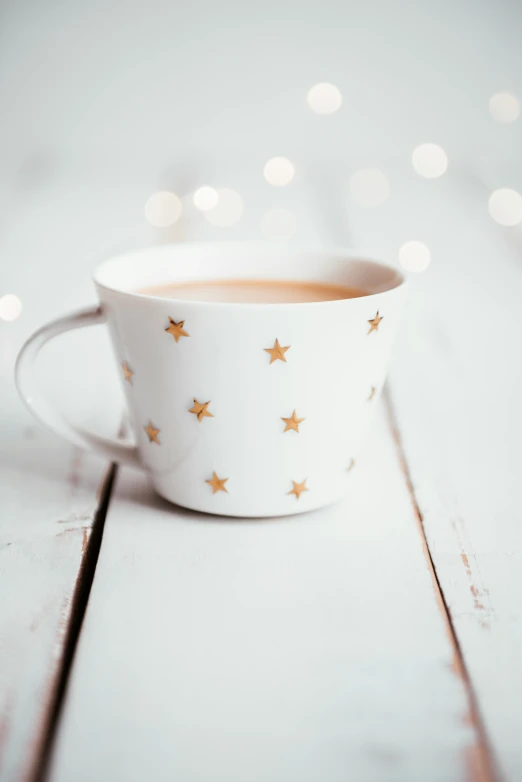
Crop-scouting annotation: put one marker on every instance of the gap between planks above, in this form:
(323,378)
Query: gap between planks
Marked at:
(80,598)
(480,761)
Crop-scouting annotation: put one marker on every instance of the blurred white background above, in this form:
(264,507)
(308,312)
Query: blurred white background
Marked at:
(107,103)
(177,90)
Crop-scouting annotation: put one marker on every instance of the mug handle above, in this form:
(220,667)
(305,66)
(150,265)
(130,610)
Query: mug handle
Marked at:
(116,450)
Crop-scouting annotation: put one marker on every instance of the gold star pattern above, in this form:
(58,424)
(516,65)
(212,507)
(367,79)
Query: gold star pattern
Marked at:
(200,410)
(292,423)
(299,488)
(374,323)
(277,352)
(127,372)
(152,433)
(372,393)
(351,465)
(176,329)
(218,484)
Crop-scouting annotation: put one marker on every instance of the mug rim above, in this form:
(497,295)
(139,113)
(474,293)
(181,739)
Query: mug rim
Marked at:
(292,251)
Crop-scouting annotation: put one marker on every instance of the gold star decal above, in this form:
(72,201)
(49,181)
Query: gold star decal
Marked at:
(351,465)
(218,484)
(374,323)
(292,423)
(299,488)
(127,373)
(277,352)
(372,393)
(200,410)
(152,433)
(176,329)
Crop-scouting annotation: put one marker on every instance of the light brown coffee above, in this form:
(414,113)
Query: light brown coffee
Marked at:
(254,291)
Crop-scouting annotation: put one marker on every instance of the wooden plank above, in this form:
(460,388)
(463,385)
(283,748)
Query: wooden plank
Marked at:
(45,532)
(50,493)
(299,648)
(459,419)
(456,384)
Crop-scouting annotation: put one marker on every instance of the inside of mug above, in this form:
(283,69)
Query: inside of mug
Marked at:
(133,271)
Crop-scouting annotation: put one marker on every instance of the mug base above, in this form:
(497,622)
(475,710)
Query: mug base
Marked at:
(240,511)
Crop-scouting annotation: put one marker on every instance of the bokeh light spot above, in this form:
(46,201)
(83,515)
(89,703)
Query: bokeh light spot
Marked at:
(279,171)
(228,210)
(206,198)
(414,256)
(163,209)
(279,224)
(324,98)
(504,107)
(370,187)
(505,206)
(429,160)
(10,307)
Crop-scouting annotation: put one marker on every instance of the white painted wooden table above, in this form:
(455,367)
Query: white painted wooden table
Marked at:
(379,640)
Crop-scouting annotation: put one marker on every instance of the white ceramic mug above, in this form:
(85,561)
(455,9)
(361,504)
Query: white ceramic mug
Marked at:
(238,409)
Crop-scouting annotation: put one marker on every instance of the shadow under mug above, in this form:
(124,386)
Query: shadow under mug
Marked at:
(239,409)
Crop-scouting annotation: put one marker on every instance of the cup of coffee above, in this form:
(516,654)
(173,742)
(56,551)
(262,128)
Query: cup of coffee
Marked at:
(250,371)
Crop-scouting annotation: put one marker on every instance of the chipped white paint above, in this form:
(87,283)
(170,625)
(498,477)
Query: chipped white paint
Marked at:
(47,501)
(48,490)
(460,421)
(456,385)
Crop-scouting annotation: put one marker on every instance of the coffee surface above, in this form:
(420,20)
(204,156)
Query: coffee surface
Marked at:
(254,291)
